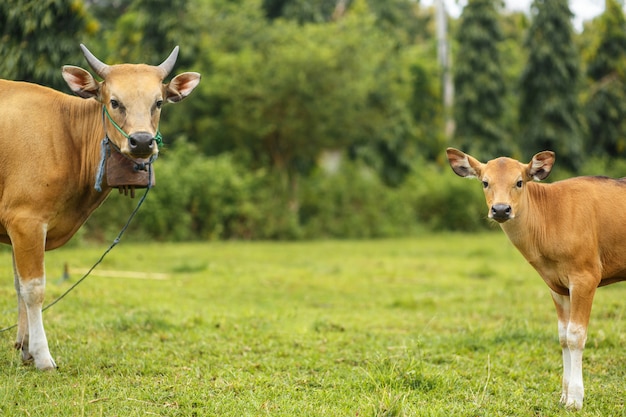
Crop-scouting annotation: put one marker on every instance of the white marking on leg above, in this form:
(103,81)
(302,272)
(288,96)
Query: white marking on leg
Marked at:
(566,360)
(562,304)
(21,341)
(32,293)
(576,338)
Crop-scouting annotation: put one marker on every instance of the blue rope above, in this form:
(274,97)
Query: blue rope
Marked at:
(115,242)
(106,252)
(104,152)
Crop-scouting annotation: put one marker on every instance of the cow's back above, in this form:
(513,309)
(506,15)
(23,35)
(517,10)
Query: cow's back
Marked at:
(610,217)
(31,120)
(580,219)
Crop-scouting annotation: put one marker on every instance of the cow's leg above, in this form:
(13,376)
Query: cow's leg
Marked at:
(562,304)
(28,258)
(21,342)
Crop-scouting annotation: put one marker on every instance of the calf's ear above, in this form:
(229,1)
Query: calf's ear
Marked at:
(462,164)
(541,165)
(81,81)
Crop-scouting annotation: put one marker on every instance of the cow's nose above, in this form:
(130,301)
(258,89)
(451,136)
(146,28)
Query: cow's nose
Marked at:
(501,212)
(141,143)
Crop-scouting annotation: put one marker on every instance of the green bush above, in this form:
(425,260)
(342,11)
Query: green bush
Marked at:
(610,167)
(353,203)
(201,198)
(443,201)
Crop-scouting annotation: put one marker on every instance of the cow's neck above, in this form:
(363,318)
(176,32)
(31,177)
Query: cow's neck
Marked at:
(79,150)
(527,231)
(87,140)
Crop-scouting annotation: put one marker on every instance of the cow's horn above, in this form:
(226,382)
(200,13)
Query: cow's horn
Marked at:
(168,65)
(98,66)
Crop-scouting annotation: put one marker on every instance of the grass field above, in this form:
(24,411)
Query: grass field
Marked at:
(442,325)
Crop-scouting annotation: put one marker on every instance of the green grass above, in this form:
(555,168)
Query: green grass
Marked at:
(444,325)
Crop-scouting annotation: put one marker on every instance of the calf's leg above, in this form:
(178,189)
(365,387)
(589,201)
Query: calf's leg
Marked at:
(573,313)
(562,304)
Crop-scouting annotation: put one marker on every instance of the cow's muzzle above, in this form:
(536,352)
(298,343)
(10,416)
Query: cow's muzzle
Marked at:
(501,212)
(141,144)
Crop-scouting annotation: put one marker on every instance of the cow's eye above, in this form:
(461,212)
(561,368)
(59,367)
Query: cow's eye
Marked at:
(485,184)
(519,184)
(159,103)
(115,104)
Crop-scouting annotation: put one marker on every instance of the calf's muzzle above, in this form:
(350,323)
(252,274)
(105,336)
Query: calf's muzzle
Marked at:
(501,212)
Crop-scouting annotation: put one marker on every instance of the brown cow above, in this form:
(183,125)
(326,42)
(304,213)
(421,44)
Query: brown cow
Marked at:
(50,151)
(572,232)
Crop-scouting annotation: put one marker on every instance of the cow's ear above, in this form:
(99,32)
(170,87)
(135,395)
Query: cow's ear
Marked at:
(541,165)
(81,82)
(181,86)
(462,164)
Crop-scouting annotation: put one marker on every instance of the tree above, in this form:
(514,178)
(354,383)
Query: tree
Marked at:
(605,108)
(303,88)
(512,52)
(396,17)
(549,85)
(302,11)
(149,29)
(107,12)
(479,81)
(37,37)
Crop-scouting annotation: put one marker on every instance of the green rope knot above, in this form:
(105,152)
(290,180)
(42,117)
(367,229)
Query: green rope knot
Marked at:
(158,138)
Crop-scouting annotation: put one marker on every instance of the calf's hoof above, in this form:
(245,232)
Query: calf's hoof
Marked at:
(574,405)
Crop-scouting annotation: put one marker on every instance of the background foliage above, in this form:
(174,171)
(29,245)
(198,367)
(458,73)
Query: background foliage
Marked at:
(325,119)
(605,106)
(480,89)
(549,112)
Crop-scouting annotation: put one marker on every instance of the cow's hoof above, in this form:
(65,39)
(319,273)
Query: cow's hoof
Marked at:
(47,364)
(26,356)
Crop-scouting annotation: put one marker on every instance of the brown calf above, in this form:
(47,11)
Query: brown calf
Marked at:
(50,149)
(573,232)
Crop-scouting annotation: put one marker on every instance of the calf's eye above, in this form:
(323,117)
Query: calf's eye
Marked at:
(519,184)
(115,104)
(485,184)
